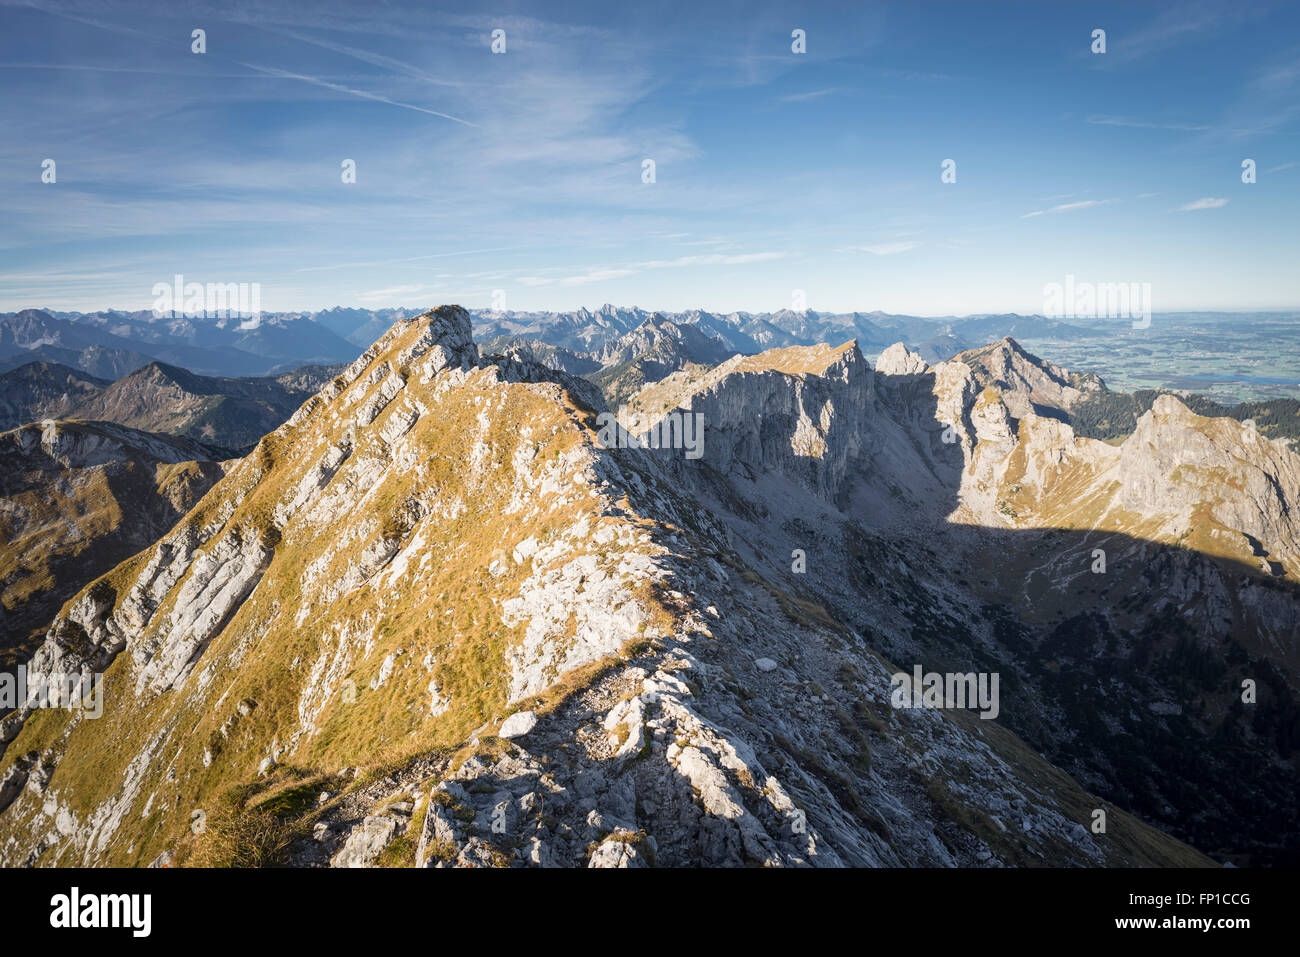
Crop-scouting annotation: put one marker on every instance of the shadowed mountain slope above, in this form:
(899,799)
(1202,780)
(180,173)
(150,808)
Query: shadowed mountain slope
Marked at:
(43,390)
(227,413)
(1124,593)
(76,498)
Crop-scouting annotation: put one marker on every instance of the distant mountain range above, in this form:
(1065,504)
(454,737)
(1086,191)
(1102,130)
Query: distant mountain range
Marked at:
(123,367)
(226,415)
(585,330)
(111,343)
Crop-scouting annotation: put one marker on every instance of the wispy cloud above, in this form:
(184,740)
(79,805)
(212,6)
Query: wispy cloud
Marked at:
(805,97)
(912,75)
(1209,202)
(1102,120)
(210,166)
(582,279)
(631,269)
(1280,78)
(716,259)
(55,11)
(340,88)
(407,259)
(94,68)
(380,295)
(1176,25)
(1069,207)
(374,59)
(889,249)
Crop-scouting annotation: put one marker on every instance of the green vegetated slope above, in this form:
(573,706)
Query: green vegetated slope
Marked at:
(1112,415)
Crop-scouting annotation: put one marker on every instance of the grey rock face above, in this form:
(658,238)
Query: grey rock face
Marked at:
(900,360)
(216,584)
(616,854)
(807,427)
(518,725)
(447,340)
(367,842)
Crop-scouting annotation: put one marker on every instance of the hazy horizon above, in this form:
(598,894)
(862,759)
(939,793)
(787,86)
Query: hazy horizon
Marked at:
(523,310)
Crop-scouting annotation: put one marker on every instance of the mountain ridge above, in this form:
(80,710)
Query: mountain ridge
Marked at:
(610,648)
(622,574)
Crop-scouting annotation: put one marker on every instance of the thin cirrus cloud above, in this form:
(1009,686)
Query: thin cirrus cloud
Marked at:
(1209,202)
(1129,122)
(1068,207)
(380,295)
(340,88)
(374,59)
(406,259)
(890,249)
(1172,27)
(1257,125)
(805,97)
(631,269)
(528,165)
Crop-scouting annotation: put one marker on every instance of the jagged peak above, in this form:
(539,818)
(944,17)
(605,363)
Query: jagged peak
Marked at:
(900,360)
(1004,347)
(1170,410)
(1168,406)
(41,314)
(417,349)
(796,360)
(162,372)
(446,334)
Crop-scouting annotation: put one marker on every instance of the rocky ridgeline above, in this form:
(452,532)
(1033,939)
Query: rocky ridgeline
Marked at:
(1028,384)
(572,582)
(78,445)
(952,438)
(933,508)
(764,417)
(43,390)
(665,343)
(722,759)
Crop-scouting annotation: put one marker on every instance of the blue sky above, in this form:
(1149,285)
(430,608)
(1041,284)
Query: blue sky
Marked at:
(522,171)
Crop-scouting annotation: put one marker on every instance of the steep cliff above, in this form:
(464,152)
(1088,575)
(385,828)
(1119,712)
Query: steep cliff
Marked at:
(1133,596)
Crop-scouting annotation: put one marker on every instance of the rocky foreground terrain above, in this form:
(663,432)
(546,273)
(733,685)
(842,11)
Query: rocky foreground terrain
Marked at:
(435,619)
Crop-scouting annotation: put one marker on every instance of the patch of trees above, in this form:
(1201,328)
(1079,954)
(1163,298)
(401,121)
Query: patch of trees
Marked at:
(1114,415)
